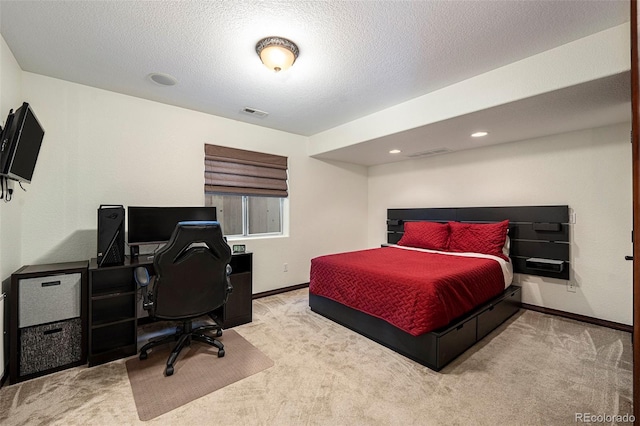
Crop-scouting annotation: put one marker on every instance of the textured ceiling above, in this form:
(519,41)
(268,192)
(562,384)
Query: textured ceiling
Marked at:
(356,57)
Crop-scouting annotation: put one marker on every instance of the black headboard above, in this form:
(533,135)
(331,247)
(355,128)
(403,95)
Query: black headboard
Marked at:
(539,234)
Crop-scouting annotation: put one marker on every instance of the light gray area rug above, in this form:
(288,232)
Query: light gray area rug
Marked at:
(535,369)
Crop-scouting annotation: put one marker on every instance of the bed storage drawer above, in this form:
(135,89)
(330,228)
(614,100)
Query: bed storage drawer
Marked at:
(455,340)
(499,311)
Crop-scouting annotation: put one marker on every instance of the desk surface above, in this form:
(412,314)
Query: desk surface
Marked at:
(51,268)
(143,259)
(128,262)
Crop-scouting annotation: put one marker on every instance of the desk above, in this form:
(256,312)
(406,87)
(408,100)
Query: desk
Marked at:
(113,300)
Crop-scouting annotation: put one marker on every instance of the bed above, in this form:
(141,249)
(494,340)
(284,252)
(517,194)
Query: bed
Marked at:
(443,279)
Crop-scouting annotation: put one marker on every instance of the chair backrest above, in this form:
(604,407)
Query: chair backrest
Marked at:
(191,278)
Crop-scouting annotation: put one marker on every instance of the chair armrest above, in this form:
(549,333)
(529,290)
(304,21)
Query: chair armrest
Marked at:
(143,280)
(229,286)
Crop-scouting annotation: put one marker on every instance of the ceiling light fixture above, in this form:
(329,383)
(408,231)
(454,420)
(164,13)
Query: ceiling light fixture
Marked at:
(395,151)
(277,53)
(479,134)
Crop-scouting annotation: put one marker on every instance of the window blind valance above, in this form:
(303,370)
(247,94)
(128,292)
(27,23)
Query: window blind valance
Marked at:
(241,172)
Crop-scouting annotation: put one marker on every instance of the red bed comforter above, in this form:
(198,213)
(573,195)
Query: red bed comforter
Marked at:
(415,291)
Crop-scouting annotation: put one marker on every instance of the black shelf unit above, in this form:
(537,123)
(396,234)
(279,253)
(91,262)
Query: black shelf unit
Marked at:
(47,319)
(112,311)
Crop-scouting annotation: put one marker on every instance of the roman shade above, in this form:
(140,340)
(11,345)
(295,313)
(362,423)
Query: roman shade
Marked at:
(240,172)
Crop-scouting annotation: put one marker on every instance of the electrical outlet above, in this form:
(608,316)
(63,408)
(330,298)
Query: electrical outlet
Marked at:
(571,287)
(572,217)
(285,267)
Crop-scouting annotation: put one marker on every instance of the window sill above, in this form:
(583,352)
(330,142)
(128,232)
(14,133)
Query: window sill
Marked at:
(236,238)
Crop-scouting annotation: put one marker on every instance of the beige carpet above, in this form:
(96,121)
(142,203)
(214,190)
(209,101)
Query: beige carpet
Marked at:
(198,371)
(536,369)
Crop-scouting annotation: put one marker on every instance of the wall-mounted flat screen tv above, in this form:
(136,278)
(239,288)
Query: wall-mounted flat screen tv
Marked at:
(20,144)
(154,225)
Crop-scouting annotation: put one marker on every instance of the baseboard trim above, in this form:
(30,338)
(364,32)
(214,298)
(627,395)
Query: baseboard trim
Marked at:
(578,317)
(280,290)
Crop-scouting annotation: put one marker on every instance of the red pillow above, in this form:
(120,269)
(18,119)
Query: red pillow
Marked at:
(426,235)
(487,238)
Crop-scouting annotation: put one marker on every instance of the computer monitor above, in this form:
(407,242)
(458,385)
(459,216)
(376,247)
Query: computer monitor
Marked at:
(154,225)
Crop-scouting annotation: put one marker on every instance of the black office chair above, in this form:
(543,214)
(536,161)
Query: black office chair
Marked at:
(192,280)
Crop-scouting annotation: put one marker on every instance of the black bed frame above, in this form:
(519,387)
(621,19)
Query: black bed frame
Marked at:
(539,246)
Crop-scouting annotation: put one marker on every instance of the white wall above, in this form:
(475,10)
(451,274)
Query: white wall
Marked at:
(10,217)
(588,170)
(102,147)
(10,220)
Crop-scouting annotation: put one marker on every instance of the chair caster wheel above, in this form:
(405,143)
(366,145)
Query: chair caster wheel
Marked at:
(220,353)
(169,371)
(143,355)
(218,333)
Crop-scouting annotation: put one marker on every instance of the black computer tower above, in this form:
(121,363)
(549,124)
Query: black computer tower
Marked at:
(110,235)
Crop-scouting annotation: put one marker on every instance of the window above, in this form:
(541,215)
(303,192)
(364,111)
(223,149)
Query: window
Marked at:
(248,189)
(244,215)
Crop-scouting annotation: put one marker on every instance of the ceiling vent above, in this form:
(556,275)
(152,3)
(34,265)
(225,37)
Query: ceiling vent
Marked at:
(429,153)
(255,112)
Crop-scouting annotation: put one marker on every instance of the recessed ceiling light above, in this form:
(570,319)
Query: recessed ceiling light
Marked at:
(395,151)
(163,79)
(479,134)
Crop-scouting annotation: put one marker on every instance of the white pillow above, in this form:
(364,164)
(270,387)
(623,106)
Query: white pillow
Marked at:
(507,246)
